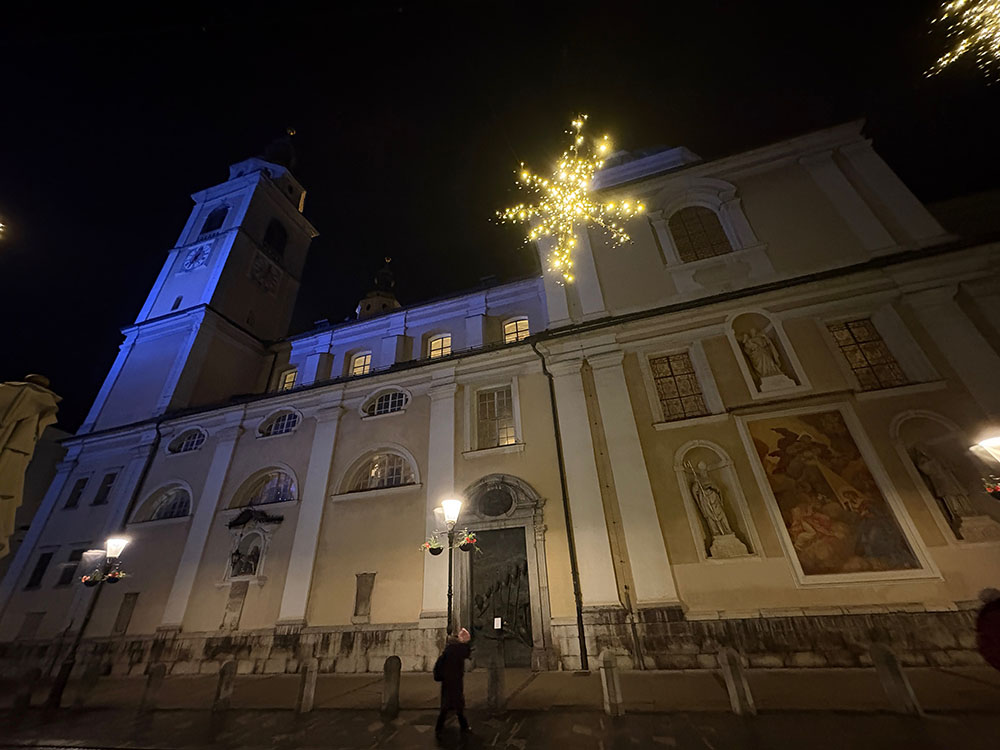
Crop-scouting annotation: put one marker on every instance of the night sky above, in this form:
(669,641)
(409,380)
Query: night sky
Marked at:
(410,119)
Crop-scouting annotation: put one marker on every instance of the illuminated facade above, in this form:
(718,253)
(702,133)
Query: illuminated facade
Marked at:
(765,403)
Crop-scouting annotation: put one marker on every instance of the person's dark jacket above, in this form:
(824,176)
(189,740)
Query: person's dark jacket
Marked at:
(453,675)
(988,633)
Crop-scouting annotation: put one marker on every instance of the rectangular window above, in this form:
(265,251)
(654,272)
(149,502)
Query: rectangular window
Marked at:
(29,627)
(69,568)
(495,418)
(105,489)
(439,347)
(677,387)
(361,364)
(866,353)
(124,614)
(288,380)
(39,572)
(515,330)
(76,493)
(363,595)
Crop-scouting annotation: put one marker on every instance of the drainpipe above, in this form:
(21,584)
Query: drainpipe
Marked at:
(574,567)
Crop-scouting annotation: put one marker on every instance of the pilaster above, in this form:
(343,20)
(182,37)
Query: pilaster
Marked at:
(647,553)
(298,580)
(598,585)
(970,355)
(440,485)
(850,205)
(204,514)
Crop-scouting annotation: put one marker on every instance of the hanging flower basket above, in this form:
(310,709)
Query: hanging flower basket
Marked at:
(114,576)
(467,541)
(992,486)
(433,546)
(90,581)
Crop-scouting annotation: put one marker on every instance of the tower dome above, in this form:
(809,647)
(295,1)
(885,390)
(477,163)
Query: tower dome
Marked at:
(381,299)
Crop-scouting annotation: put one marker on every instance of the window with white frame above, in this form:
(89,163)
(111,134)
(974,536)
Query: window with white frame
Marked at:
(361,363)
(439,346)
(867,355)
(287,381)
(104,490)
(187,441)
(169,502)
(515,330)
(77,492)
(267,488)
(677,387)
(698,234)
(495,418)
(68,571)
(385,402)
(280,424)
(381,470)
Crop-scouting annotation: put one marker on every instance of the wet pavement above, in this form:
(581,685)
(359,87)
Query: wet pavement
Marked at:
(562,729)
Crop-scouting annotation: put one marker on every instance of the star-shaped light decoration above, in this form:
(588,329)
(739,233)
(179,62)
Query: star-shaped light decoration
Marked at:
(564,202)
(976,26)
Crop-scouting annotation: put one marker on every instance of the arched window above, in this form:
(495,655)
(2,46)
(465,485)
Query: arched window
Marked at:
(361,363)
(215,219)
(515,330)
(385,402)
(275,239)
(279,424)
(698,234)
(272,486)
(187,441)
(381,470)
(439,346)
(173,501)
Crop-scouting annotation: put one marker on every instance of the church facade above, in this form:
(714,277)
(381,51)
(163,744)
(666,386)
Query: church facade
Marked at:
(750,427)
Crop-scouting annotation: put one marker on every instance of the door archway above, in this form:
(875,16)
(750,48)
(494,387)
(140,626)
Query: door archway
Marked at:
(510,578)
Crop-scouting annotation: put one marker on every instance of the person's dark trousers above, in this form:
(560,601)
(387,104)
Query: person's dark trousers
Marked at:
(444,714)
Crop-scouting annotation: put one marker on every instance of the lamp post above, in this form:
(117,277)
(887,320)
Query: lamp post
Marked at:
(451,508)
(108,571)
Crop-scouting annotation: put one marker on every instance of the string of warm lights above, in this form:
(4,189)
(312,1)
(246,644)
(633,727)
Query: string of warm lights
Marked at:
(564,202)
(976,26)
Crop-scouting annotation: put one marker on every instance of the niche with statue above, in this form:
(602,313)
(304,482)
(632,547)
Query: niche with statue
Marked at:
(715,503)
(949,474)
(764,354)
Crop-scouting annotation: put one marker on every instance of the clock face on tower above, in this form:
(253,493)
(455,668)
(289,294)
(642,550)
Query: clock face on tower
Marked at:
(197,256)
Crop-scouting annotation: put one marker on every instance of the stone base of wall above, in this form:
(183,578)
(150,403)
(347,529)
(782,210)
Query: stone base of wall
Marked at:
(663,638)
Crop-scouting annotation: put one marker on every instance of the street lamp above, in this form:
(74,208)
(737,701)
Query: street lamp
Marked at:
(108,571)
(451,508)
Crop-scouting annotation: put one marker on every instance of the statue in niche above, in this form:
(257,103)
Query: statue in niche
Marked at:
(708,498)
(968,523)
(943,483)
(244,562)
(764,359)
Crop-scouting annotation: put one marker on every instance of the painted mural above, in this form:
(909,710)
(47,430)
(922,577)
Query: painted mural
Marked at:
(836,517)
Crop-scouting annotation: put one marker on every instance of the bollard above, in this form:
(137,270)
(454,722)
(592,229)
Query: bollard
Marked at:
(496,689)
(740,698)
(154,680)
(224,690)
(390,687)
(25,687)
(894,681)
(614,705)
(307,685)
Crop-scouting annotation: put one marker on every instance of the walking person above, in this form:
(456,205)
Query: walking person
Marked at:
(988,627)
(449,670)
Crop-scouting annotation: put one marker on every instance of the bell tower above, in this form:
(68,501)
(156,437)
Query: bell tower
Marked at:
(226,290)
